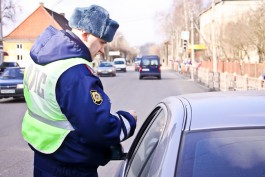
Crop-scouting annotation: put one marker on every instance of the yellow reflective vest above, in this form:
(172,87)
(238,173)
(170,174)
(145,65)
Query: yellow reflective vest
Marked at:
(44,125)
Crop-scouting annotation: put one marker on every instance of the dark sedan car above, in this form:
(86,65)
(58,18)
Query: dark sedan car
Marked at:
(11,83)
(215,134)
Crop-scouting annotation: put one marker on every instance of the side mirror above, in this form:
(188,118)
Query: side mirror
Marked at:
(117,153)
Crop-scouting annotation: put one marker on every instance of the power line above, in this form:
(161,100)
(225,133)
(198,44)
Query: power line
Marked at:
(58,2)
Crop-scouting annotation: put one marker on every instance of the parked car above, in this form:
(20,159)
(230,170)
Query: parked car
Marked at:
(137,62)
(120,64)
(11,83)
(7,64)
(210,134)
(150,67)
(106,69)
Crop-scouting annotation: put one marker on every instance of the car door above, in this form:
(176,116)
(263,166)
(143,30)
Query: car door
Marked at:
(143,148)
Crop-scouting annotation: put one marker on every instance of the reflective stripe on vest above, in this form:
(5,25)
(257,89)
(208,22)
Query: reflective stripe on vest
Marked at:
(63,124)
(44,125)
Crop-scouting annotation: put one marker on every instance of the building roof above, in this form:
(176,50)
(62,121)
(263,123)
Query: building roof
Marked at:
(35,24)
(60,19)
(219,1)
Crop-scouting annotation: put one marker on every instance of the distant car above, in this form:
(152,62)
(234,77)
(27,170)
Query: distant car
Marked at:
(11,83)
(137,62)
(106,69)
(7,64)
(120,64)
(214,134)
(150,67)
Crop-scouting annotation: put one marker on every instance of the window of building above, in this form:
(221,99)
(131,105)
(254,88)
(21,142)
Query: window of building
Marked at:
(19,57)
(19,46)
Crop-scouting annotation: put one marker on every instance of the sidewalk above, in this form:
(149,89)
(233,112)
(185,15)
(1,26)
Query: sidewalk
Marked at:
(187,77)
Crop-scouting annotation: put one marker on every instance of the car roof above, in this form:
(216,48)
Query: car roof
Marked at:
(105,62)
(15,67)
(213,110)
(5,63)
(150,56)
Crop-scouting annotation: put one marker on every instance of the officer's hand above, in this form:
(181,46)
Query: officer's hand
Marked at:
(133,113)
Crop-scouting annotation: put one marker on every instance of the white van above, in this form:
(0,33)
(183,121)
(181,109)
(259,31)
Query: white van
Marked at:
(120,64)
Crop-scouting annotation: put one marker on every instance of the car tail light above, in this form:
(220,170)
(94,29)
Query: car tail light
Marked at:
(159,68)
(140,69)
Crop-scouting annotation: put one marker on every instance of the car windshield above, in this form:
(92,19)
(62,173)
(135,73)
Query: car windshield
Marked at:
(12,73)
(105,65)
(9,64)
(234,153)
(119,62)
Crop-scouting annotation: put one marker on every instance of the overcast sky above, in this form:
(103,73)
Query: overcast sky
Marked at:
(136,17)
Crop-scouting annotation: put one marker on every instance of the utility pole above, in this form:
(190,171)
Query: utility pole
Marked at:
(215,76)
(192,48)
(177,44)
(185,15)
(213,38)
(186,25)
(1,35)
(173,45)
(166,51)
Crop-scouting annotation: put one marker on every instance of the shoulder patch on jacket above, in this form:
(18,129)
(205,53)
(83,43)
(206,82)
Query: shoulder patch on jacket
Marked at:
(91,70)
(96,97)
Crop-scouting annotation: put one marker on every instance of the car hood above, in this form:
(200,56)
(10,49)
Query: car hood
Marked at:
(120,65)
(105,68)
(5,81)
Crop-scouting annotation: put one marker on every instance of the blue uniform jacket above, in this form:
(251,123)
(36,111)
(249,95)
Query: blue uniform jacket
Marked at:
(96,129)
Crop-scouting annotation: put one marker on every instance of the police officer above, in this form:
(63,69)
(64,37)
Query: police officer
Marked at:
(68,123)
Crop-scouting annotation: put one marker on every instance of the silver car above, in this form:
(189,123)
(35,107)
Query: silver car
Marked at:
(106,69)
(215,134)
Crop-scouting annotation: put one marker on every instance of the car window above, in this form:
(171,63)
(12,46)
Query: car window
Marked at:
(222,153)
(105,65)
(153,62)
(119,62)
(143,154)
(145,62)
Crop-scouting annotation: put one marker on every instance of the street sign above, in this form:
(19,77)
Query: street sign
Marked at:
(185,35)
(114,53)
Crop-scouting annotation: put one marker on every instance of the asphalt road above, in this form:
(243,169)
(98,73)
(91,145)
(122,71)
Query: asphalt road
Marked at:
(126,92)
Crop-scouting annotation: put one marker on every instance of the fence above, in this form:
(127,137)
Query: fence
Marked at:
(221,81)
(250,69)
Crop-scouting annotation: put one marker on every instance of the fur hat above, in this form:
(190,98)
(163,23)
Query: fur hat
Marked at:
(94,20)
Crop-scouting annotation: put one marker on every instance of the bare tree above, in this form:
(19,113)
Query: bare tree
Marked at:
(234,41)
(256,23)
(245,34)
(9,10)
(180,17)
(7,15)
